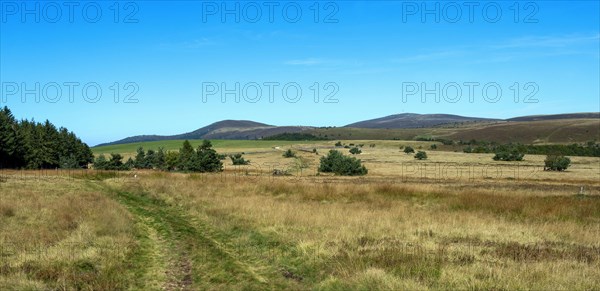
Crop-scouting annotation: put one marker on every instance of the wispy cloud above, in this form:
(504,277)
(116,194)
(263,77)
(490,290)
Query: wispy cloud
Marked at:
(198,43)
(190,45)
(510,50)
(306,62)
(548,41)
(431,56)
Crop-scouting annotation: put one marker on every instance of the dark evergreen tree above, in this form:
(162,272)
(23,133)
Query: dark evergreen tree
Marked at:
(208,158)
(32,145)
(11,143)
(160,159)
(129,164)
(186,156)
(115,162)
(140,158)
(101,163)
(150,160)
(172,161)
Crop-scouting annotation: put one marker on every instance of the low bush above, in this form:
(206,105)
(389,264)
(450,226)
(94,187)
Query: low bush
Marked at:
(556,163)
(336,162)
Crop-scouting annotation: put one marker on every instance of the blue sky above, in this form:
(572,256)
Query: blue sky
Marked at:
(374,57)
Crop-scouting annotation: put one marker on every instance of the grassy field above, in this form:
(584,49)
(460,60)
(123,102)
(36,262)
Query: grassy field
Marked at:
(566,131)
(174,145)
(454,221)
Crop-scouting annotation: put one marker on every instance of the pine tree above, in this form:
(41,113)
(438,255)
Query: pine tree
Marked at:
(101,163)
(186,156)
(129,164)
(11,144)
(50,143)
(115,162)
(171,161)
(140,158)
(150,161)
(207,159)
(160,159)
(34,145)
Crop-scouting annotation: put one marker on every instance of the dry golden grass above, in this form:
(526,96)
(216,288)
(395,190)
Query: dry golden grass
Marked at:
(57,233)
(406,235)
(454,221)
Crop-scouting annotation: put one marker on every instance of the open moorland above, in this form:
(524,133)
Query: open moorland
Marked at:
(452,221)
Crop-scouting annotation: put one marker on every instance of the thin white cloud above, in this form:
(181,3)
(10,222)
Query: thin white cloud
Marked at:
(548,41)
(190,45)
(432,56)
(198,43)
(511,50)
(305,62)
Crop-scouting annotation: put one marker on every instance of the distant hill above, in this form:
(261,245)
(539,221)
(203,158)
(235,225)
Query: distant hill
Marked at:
(568,130)
(225,125)
(413,120)
(562,131)
(561,128)
(226,129)
(556,116)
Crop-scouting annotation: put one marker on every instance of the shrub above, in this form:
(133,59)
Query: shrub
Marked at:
(101,162)
(115,163)
(338,144)
(237,159)
(433,146)
(409,150)
(446,141)
(355,151)
(513,155)
(421,155)
(140,159)
(130,164)
(556,163)
(336,162)
(481,150)
(171,160)
(207,159)
(289,154)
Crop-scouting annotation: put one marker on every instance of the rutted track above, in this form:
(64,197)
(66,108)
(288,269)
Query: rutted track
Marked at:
(176,252)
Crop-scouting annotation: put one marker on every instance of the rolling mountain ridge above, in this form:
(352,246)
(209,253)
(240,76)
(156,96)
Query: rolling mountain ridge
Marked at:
(413,120)
(245,129)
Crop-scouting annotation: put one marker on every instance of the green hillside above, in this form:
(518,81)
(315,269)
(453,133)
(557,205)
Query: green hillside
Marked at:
(170,145)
